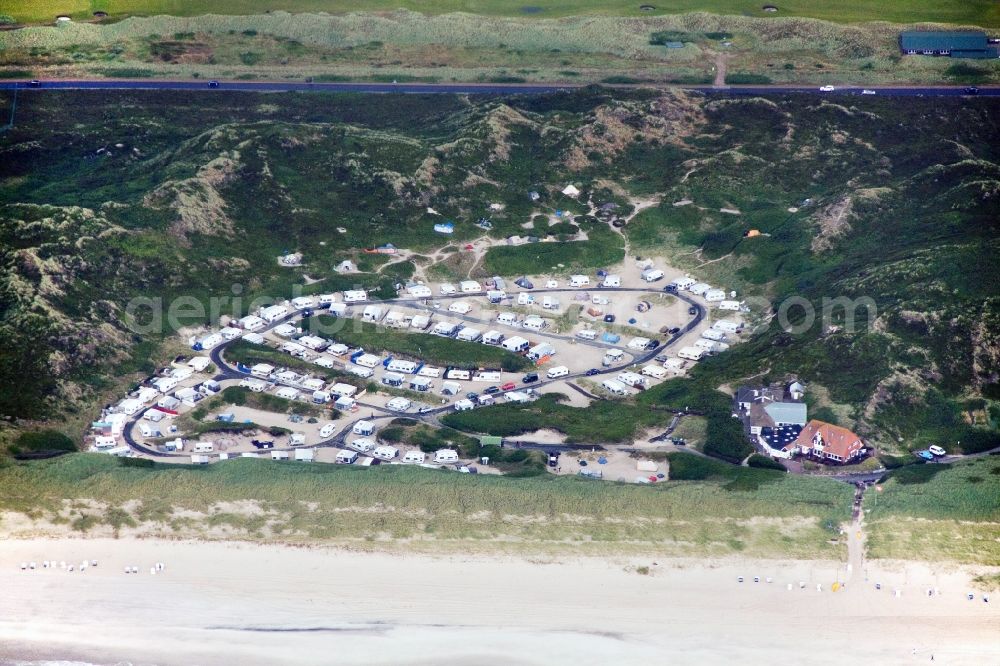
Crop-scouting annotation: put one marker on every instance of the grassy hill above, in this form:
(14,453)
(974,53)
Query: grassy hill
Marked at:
(113,195)
(980,12)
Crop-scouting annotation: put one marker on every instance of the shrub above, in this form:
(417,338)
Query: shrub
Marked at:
(42,441)
(763,462)
(745,78)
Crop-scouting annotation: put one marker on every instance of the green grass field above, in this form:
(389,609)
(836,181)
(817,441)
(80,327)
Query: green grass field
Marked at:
(948,512)
(980,12)
(775,515)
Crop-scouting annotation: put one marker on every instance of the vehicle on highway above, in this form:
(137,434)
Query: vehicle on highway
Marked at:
(592,372)
(34,83)
(866,91)
(972,90)
(213,84)
(936,450)
(827,89)
(530,378)
(509,386)
(490,390)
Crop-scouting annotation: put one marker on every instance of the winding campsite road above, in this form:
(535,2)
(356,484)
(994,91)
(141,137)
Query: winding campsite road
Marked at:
(228,372)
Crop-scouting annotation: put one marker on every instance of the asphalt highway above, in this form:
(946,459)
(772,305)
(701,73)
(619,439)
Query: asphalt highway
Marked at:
(468,88)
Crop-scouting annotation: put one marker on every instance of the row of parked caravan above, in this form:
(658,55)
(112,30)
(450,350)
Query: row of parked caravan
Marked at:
(386,453)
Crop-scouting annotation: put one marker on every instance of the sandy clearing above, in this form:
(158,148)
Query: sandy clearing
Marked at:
(238,603)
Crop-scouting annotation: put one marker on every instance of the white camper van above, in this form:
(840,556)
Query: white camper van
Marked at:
(556,372)
(445,456)
(579,281)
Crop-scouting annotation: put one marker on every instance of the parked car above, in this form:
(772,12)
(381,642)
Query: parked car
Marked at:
(609,318)
(692,311)
(530,378)
(652,344)
(866,91)
(937,450)
(925,455)
(490,390)
(509,386)
(674,331)
(670,288)
(471,395)
(592,372)
(553,458)
(213,84)
(34,83)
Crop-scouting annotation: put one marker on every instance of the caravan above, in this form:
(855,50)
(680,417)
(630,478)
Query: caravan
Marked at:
(556,372)
(652,275)
(492,337)
(525,298)
(579,281)
(654,371)
(445,329)
(445,456)
(385,452)
(541,352)
(587,334)
(345,457)
(691,353)
(355,296)
(533,323)
(507,319)
(612,281)
(460,307)
(372,313)
(469,334)
(615,387)
(458,373)
(405,367)
(470,287)
(515,344)
(363,444)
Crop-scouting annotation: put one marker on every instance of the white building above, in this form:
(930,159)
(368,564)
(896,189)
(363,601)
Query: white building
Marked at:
(345,457)
(286,330)
(385,452)
(445,328)
(615,387)
(419,291)
(652,274)
(287,392)
(727,326)
(533,323)
(340,389)
(368,361)
(252,323)
(507,319)
(515,344)
(263,370)
(691,353)
(445,456)
(682,283)
(273,313)
(492,337)
(399,404)
(540,351)
(372,313)
(399,365)
(305,455)
(468,334)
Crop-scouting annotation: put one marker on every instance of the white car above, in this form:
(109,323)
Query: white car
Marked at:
(866,91)
(327,430)
(937,450)
(827,89)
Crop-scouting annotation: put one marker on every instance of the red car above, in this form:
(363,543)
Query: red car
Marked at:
(509,386)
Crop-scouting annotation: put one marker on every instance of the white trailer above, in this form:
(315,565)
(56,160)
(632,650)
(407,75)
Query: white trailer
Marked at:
(691,353)
(405,367)
(345,457)
(654,371)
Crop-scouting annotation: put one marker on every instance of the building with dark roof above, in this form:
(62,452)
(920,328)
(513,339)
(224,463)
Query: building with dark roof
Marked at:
(953,43)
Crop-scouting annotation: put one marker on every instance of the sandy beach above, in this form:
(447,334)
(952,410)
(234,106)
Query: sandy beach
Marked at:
(225,603)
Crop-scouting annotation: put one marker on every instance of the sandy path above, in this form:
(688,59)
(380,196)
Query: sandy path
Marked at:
(250,604)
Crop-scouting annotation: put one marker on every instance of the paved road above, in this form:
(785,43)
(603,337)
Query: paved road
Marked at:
(470,88)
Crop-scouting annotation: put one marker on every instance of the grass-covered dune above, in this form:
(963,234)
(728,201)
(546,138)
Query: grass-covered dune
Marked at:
(847,11)
(945,512)
(721,510)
